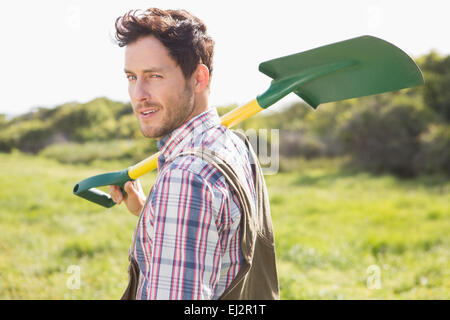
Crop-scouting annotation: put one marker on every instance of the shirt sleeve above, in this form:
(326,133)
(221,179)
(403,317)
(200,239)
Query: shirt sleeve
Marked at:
(186,258)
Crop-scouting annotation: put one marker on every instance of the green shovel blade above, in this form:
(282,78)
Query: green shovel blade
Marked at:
(348,69)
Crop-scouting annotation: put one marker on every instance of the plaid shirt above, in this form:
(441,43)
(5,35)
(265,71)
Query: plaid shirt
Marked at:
(187,240)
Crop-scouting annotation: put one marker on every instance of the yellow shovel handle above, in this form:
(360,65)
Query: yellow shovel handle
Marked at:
(230,119)
(240,114)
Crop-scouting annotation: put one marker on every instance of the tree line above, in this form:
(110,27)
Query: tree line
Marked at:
(405,132)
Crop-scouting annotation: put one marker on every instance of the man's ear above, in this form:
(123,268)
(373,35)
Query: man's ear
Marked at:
(201,78)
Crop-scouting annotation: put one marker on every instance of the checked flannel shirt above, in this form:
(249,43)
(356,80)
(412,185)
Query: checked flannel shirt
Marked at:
(187,240)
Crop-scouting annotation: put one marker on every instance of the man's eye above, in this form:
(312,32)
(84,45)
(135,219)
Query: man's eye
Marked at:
(156,76)
(131,77)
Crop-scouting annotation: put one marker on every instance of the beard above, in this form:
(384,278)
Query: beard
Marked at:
(170,116)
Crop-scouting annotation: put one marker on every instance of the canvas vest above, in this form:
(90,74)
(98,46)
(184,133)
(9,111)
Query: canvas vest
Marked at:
(257,278)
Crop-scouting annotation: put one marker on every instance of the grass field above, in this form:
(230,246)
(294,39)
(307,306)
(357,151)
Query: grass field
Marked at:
(340,234)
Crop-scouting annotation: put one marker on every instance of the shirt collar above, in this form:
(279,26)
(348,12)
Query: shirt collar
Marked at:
(186,133)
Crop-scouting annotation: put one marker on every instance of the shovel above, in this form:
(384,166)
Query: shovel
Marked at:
(352,68)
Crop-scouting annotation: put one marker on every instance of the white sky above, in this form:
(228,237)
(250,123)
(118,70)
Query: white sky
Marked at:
(54,52)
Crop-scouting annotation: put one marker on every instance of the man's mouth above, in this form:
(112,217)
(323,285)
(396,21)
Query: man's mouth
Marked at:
(147,113)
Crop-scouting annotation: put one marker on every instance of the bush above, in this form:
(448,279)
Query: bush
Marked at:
(294,143)
(98,120)
(29,136)
(386,137)
(436,93)
(434,153)
(132,150)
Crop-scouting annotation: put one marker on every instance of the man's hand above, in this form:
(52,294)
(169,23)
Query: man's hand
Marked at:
(134,198)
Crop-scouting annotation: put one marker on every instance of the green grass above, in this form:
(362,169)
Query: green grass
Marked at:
(331,225)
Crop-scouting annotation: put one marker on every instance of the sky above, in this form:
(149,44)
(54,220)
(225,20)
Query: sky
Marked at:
(53,52)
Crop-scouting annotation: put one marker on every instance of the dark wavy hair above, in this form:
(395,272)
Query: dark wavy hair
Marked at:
(183,34)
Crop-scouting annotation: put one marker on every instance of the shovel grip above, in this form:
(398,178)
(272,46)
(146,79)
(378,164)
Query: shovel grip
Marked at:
(87,188)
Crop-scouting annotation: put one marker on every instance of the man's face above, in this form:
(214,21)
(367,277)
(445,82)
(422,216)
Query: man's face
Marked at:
(161,97)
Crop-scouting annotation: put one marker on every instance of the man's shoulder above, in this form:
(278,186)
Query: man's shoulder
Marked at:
(194,165)
(220,141)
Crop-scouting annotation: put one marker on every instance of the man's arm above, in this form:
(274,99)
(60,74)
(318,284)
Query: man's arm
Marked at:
(185,249)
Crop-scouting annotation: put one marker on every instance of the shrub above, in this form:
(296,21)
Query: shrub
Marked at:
(29,136)
(386,137)
(294,143)
(434,153)
(436,71)
(132,150)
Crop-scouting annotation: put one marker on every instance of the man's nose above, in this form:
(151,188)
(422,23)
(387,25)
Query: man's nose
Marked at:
(141,92)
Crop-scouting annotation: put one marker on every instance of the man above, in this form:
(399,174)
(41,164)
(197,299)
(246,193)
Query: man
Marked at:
(188,242)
